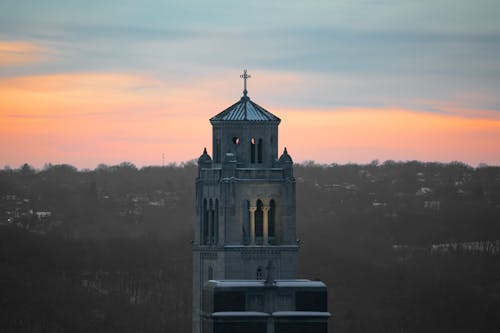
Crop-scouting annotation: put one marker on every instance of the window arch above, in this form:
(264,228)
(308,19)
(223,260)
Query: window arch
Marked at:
(259,222)
(272,219)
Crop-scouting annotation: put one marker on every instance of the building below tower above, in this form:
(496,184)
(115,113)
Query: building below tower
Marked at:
(261,306)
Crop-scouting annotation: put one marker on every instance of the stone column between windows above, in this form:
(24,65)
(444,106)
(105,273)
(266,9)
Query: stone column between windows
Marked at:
(252,224)
(265,211)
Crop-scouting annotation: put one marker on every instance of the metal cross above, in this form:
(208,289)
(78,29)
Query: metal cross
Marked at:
(245,76)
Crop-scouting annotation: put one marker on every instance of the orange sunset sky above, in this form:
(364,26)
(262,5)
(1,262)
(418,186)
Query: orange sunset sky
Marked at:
(95,83)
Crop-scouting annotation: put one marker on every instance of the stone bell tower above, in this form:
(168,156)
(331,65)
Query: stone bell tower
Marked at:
(245,202)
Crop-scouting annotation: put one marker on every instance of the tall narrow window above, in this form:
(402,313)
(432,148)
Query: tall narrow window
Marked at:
(210,273)
(211,223)
(259,152)
(252,150)
(272,219)
(216,227)
(204,224)
(259,223)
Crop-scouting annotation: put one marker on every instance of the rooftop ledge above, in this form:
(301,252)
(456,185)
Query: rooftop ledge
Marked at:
(293,283)
(236,246)
(274,314)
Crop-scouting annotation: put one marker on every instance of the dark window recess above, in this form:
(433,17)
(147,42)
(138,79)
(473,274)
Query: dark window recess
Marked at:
(311,301)
(259,151)
(259,220)
(204,226)
(240,327)
(229,301)
(300,327)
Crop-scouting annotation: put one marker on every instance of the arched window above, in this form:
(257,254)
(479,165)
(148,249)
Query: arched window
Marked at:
(259,151)
(204,224)
(211,222)
(272,219)
(216,226)
(210,273)
(252,150)
(259,275)
(259,223)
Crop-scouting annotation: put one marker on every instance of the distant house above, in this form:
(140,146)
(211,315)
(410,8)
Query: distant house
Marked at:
(43,215)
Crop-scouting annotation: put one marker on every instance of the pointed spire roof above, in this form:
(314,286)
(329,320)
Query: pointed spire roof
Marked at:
(285,158)
(245,109)
(204,158)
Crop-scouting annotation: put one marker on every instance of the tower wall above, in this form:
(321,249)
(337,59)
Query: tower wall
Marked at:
(245,205)
(236,138)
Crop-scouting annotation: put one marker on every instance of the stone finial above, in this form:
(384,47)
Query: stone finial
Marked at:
(285,158)
(204,158)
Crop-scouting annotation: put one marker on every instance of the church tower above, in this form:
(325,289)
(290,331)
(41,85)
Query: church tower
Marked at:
(245,201)
(245,246)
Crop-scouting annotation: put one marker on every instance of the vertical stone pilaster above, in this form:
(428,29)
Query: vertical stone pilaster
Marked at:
(265,212)
(252,224)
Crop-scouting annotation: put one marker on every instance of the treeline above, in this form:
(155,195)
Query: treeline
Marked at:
(114,254)
(53,285)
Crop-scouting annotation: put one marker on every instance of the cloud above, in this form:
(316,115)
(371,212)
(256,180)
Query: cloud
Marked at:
(99,117)
(349,53)
(18,53)
(94,75)
(363,134)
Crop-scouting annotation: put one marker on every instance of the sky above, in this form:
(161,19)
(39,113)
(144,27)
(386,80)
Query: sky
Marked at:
(99,81)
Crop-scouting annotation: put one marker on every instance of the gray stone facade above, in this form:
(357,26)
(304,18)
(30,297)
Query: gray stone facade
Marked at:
(245,203)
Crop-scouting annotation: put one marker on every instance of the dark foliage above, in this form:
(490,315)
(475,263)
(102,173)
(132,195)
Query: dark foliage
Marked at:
(403,247)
